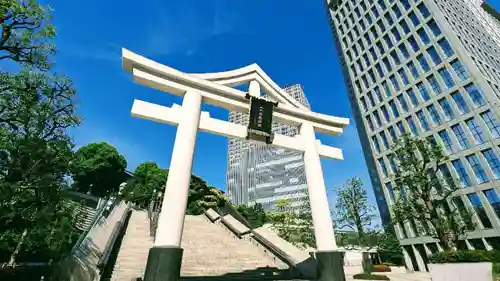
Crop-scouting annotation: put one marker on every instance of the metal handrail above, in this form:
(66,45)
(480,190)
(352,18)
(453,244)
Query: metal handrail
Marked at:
(117,230)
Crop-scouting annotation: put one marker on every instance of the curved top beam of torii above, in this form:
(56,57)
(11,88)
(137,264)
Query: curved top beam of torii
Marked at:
(216,90)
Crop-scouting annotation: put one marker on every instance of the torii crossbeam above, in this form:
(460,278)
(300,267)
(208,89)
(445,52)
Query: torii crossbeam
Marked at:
(165,257)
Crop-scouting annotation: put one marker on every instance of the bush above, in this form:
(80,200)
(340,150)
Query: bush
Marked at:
(381,268)
(365,276)
(466,256)
(496,269)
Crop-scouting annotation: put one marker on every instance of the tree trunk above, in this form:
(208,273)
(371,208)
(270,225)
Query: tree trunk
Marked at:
(12,259)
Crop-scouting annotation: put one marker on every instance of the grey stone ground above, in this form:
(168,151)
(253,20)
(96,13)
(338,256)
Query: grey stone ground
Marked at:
(417,276)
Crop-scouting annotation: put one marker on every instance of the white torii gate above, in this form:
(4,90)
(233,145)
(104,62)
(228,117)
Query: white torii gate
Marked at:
(165,257)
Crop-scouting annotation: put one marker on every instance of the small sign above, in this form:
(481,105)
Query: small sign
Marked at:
(261,119)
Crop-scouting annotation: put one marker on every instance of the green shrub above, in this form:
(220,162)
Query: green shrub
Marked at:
(496,269)
(365,276)
(466,256)
(381,268)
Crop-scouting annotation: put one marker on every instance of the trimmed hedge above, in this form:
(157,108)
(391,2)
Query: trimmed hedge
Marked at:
(463,256)
(381,268)
(366,276)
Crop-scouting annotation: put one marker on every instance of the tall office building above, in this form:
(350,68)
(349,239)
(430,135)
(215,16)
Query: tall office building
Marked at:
(430,68)
(259,173)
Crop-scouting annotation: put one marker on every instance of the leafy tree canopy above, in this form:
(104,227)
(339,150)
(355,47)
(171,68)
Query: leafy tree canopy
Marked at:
(424,193)
(352,208)
(98,168)
(26,33)
(148,179)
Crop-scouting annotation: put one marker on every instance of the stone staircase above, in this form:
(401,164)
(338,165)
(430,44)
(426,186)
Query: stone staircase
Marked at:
(133,253)
(210,249)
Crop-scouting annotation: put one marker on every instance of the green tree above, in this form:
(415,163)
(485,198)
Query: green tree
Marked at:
(202,196)
(425,191)
(35,111)
(26,33)
(389,248)
(98,168)
(148,179)
(353,210)
(255,215)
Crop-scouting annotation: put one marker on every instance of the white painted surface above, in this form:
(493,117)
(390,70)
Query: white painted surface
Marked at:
(323,226)
(171,218)
(172,115)
(461,272)
(167,79)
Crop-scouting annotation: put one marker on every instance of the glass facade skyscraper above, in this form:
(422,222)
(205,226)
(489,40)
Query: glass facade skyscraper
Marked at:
(259,173)
(430,68)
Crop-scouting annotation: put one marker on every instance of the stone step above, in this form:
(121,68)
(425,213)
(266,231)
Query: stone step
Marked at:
(133,254)
(210,249)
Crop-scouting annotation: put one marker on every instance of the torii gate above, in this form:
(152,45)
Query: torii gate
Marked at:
(165,257)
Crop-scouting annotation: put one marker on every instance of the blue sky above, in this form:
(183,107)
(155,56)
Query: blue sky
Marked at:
(290,40)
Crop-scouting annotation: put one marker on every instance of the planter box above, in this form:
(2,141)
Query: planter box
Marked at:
(461,271)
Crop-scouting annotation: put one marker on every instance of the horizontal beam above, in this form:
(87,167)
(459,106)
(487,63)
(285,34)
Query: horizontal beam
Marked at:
(155,75)
(172,115)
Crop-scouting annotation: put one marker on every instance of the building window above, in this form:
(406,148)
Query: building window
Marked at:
(493,199)
(493,161)
(390,191)
(423,63)
(446,76)
(413,128)
(423,36)
(460,102)
(461,172)
(363,104)
(434,27)
(376,145)
(404,26)
(478,170)
(413,43)
(436,88)
(385,113)
(392,133)
(377,118)
(434,55)
(395,33)
(414,19)
(378,93)
(394,109)
(413,70)
(392,162)
(385,141)
(423,120)
(423,91)
(370,98)
(423,10)
(403,76)
(403,103)
(396,10)
(382,166)
(475,94)
(476,130)
(401,128)
(445,138)
(388,41)
(479,209)
(491,123)
(461,137)
(387,89)
(387,64)
(388,18)
(404,50)
(460,70)
(395,83)
(448,112)
(413,97)
(446,47)
(436,119)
